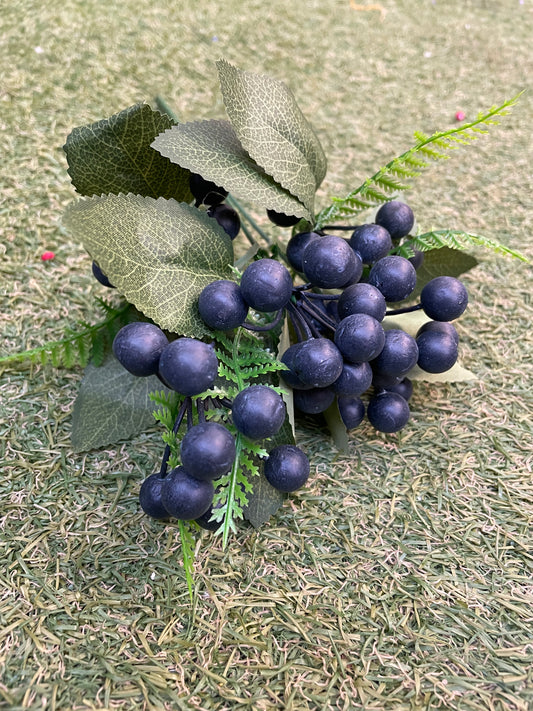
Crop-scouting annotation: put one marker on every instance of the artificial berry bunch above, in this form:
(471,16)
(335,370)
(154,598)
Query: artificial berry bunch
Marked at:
(302,317)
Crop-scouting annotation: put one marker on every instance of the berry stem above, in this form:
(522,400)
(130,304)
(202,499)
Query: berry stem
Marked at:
(309,307)
(405,310)
(177,424)
(301,326)
(268,327)
(338,227)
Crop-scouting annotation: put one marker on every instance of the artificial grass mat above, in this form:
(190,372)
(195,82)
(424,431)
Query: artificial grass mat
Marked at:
(401,576)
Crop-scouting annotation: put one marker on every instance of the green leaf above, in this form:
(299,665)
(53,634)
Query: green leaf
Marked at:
(272,128)
(159,254)
(456,374)
(114,156)
(442,262)
(212,149)
(337,428)
(264,501)
(400,172)
(112,405)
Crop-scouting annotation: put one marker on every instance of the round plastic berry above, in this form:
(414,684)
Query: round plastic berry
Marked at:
(403,388)
(362,299)
(138,347)
(330,262)
(396,217)
(100,276)
(221,305)
(437,351)
(359,338)
(399,353)
(442,327)
(296,246)
(184,496)
(205,192)
(313,401)
(352,411)
(207,450)
(266,285)
(394,276)
(444,298)
(388,412)
(290,376)
(188,366)
(258,411)
(287,468)
(371,242)
(318,362)
(281,219)
(204,521)
(150,497)
(355,379)
(227,218)
(417,259)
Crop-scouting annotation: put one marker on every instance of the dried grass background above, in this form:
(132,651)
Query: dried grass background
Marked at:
(401,578)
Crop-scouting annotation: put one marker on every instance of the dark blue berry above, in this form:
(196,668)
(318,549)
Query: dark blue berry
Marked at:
(138,347)
(444,298)
(221,305)
(188,366)
(258,412)
(287,468)
(396,217)
(388,412)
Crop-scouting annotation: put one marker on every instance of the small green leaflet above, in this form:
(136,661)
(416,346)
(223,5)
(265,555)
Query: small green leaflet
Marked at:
(159,254)
(442,262)
(112,405)
(114,156)
(212,149)
(272,128)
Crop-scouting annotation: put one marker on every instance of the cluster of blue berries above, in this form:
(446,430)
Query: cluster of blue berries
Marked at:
(336,294)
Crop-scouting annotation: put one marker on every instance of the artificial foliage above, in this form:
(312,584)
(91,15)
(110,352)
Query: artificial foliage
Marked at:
(159,248)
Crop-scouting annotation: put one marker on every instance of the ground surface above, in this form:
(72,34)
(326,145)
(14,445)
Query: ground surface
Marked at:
(401,578)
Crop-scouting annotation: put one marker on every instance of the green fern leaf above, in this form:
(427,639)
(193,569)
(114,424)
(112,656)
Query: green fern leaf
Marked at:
(77,347)
(456,239)
(411,164)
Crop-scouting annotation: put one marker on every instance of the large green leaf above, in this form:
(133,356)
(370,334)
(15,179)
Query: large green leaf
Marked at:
(272,128)
(159,254)
(112,405)
(114,156)
(212,149)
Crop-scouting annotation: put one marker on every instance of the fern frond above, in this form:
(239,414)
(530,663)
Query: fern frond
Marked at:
(455,239)
(378,188)
(77,347)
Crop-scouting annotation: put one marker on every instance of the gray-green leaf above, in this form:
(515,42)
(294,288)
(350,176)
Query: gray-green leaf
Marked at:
(114,156)
(159,254)
(272,128)
(212,149)
(264,501)
(112,405)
